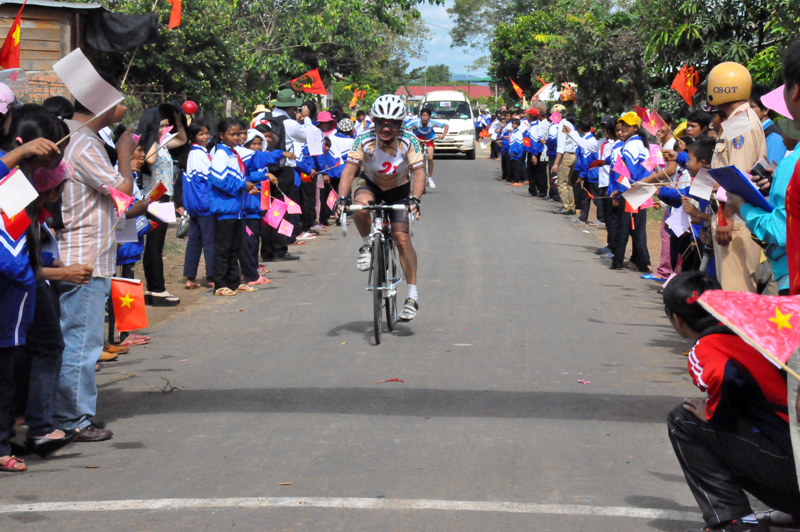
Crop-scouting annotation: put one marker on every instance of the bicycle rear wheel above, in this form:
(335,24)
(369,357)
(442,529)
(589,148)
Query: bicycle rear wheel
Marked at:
(378,274)
(391,271)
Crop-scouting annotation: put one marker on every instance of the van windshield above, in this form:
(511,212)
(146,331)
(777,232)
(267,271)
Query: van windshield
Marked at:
(449,109)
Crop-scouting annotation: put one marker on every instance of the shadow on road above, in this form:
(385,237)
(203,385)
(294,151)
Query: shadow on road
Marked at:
(366,328)
(398,401)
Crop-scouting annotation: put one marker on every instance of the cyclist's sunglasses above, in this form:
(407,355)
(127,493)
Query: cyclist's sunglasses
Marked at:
(387,124)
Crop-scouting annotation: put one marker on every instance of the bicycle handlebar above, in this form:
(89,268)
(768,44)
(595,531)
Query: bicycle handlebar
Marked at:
(399,207)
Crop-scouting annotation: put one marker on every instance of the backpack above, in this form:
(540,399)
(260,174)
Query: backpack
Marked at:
(278,131)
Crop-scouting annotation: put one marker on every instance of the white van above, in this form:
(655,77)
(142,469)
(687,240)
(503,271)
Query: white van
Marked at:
(454,109)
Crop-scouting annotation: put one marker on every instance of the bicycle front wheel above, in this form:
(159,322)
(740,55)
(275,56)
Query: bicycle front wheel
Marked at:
(391,276)
(378,275)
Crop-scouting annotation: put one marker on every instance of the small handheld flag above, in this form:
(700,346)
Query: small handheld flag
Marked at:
(555,117)
(265,195)
(285,228)
(158,191)
(16,225)
(292,207)
(85,84)
(275,213)
(16,192)
(121,201)
(127,296)
(332,197)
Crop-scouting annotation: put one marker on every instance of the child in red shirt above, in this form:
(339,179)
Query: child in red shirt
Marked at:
(737,437)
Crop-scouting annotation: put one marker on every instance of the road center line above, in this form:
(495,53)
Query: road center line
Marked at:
(350,503)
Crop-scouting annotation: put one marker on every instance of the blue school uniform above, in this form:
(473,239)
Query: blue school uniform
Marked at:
(534,135)
(505,139)
(552,141)
(256,169)
(611,160)
(196,187)
(634,154)
(585,157)
(516,148)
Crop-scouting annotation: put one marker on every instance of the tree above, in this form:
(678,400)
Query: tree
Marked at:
(434,75)
(248,49)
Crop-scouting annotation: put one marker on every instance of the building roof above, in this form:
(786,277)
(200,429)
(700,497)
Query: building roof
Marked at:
(57,5)
(473,91)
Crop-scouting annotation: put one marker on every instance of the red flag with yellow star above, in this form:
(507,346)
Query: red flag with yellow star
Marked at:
(121,201)
(265,195)
(517,88)
(9,53)
(771,324)
(16,225)
(127,296)
(686,82)
(310,82)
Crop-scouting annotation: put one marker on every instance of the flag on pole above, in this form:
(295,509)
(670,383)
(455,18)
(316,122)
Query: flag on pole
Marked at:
(291,206)
(85,84)
(127,296)
(121,201)
(265,195)
(16,224)
(517,88)
(310,82)
(644,116)
(9,53)
(771,324)
(16,192)
(555,117)
(285,228)
(656,122)
(542,81)
(332,197)
(175,14)
(686,82)
(275,213)
(158,191)
(621,169)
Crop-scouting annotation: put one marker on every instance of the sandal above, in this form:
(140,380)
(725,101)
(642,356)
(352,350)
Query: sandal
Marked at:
(225,291)
(260,280)
(128,342)
(246,288)
(11,463)
(297,243)
(191,285)
(138,337)
(263,269)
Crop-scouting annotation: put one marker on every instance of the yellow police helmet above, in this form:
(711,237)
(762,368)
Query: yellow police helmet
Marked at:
(558,107)
(728,82)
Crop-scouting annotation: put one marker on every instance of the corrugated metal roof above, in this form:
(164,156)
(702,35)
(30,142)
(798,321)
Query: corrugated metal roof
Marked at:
(49,3)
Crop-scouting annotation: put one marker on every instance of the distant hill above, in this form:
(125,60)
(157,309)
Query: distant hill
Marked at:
(459,77)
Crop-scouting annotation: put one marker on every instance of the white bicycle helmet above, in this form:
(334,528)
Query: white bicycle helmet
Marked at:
(388,107)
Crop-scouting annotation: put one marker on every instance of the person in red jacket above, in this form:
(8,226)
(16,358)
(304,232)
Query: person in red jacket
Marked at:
(735,439)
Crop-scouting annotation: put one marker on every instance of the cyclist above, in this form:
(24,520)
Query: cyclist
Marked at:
(422,128)
(390,157)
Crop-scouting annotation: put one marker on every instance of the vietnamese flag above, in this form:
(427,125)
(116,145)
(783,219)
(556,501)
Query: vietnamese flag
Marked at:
(310,82)
(686,82)
(285,228)
(526,141)
(275,213)
(771,324)
(332,197)
(517,88)
(9,53)
(127,296)
(644,116)
(265,195)
(291,206)
(158,191)
(121,201)
(175,14)
(16,225)
(656,122)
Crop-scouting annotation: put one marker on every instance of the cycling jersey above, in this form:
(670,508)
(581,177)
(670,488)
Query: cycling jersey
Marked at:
(386,164)
(424,133)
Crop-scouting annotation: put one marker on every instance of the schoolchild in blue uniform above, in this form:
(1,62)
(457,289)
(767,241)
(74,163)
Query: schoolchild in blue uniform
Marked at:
(257,173)
(537,169)
(229,187)
(586,186)
(516,153)
(632,224)
(505,159)
(196,201)
(551,144)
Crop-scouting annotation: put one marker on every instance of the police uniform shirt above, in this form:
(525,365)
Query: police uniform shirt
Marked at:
(745,150)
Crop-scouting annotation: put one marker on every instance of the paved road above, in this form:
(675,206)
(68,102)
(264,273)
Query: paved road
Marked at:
(493,435)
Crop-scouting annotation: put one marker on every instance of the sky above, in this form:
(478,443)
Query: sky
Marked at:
(438,48)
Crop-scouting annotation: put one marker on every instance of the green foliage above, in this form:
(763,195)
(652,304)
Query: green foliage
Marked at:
(247,50)
(433,75)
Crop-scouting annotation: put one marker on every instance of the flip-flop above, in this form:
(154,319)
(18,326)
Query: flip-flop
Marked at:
(652,277)
(10,463)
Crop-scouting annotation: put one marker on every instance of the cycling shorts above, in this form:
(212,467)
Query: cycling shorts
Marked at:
(393,196)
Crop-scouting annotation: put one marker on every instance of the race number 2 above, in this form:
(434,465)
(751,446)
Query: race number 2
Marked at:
(388,168)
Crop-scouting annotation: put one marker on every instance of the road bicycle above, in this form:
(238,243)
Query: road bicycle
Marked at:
(385,272)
